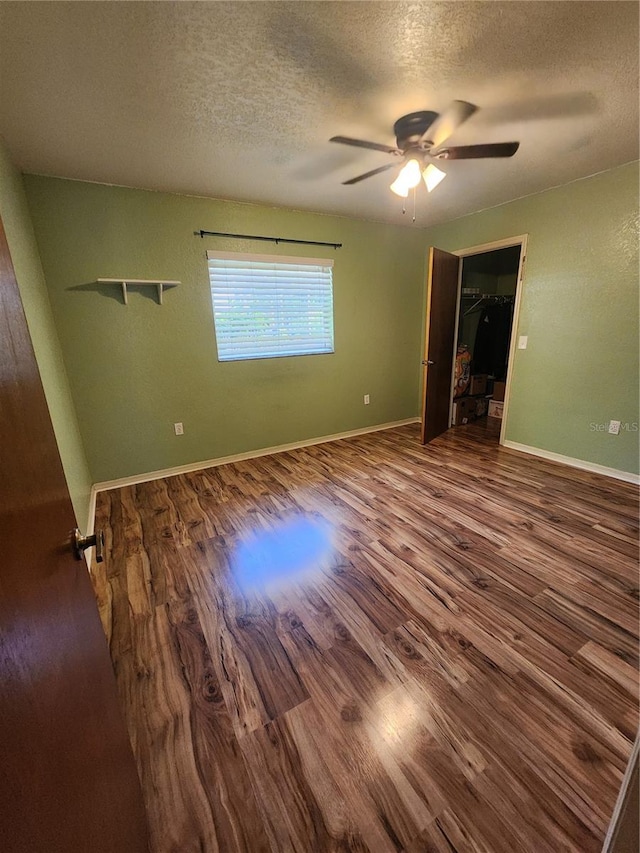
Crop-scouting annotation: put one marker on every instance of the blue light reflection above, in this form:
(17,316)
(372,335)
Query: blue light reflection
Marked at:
(287,552)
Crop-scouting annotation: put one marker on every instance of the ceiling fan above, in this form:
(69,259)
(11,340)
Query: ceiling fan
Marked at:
(419,140)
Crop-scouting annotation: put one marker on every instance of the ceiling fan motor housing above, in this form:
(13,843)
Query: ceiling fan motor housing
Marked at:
(410,128)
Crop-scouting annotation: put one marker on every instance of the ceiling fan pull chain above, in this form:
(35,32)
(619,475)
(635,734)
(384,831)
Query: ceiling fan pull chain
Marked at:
(414,204)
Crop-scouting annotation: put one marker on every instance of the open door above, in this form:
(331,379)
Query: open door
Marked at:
(68,781)
(442,299)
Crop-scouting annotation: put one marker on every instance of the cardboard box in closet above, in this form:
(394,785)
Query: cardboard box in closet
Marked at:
(464,410)
(495,409)
(482,404)
(498,391)
(478,384)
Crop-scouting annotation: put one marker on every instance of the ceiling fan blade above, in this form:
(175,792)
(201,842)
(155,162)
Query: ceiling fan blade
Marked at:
(370,174)
(362,143)
(447,122)
(469,152)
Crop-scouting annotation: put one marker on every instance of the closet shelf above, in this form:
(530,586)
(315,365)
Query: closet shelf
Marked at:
(160,286)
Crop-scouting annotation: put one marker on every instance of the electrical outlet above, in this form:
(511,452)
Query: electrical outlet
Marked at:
(523,340)
(367,399)
(179,429)
(614,427)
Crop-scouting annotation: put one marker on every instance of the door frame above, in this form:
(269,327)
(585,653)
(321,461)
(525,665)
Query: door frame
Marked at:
(520,240)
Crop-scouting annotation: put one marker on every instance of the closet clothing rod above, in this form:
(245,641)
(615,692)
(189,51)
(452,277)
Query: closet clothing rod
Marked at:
(267,239)
(500,298)
(488,296)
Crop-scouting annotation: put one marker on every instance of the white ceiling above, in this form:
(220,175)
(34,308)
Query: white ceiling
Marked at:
(238,100)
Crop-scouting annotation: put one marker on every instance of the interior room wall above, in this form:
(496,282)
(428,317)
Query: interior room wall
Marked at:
(136,370)
(37,308)
(579,311)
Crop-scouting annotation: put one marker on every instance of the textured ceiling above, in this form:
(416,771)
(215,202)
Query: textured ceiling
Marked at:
(238,100)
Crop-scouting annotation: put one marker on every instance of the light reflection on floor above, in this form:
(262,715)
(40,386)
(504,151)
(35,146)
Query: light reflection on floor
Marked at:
(400,716)
(290,552)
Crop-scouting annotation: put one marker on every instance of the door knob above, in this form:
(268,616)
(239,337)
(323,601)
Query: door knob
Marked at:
(428,361)
(80,543)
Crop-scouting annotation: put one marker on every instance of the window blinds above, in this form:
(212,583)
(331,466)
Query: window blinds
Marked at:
(267,306)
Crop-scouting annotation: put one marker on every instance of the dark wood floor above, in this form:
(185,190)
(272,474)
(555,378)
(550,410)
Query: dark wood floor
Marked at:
(373,646)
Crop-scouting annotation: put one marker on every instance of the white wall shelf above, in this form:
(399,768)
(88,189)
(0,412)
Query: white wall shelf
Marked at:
(160,286)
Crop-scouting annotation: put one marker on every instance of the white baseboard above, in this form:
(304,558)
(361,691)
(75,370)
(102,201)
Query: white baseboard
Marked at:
(574,463)
(240,457)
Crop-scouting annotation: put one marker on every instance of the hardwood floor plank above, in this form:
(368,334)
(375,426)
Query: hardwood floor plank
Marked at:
(520,811)
(219,762)
(375,646)
(343,812)
(345,615)
(158,514)
(388,806)
(569,761)
(150,682)
(590,624)
(365,789)
(138,584)
(473,826)
(343,698)
(195,505)
(295,819)
(607,664)
(257,678)
(384,609)
(338,690)
(429,655)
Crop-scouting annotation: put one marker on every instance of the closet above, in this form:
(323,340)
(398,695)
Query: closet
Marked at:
(485,321)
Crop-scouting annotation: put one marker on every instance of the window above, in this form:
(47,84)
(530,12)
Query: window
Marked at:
(268,306)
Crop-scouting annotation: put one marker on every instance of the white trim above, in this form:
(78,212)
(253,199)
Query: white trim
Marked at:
(515,331)
(621,801)
(616,473)
(91,521)
(455,343)
(240,457)
(91,524)
(506,243)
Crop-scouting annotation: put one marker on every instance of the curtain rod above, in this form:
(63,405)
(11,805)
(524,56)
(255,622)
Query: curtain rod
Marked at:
(268,239)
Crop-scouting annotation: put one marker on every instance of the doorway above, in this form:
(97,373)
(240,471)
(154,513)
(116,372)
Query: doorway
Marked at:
(459,284)
(488,303)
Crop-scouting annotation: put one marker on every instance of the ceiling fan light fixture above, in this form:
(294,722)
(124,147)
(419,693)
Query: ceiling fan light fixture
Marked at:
(419,136)
(408,178)
(411,174)
(399,187)
(432,176)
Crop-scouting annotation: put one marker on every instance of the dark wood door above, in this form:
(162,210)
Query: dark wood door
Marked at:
(442,298)
(68,781)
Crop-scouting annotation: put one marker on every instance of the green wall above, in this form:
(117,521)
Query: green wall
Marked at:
(30,278)
(135,370)
(579,311)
